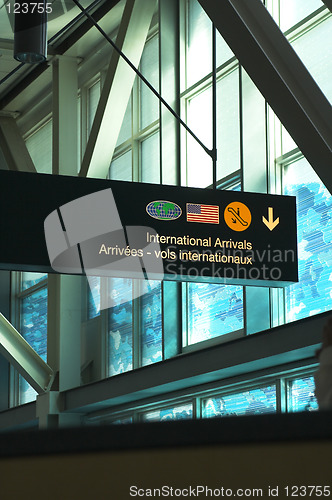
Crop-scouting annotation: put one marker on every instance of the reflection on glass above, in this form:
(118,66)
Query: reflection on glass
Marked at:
(30,279)
(173,413)
(213,310)
(120,337)
(34,330)
(151,320)
(93,297)
(251,402)
(123,420)
(301,394)
(313,293)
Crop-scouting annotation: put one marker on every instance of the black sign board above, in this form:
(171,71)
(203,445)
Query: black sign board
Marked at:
(101,227)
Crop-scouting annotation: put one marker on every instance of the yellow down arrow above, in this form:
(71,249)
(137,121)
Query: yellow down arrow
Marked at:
(270,223)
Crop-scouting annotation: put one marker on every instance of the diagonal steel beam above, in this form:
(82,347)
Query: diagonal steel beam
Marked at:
(328,4)
(117,88)
(21,355)
(280,76)
(13,146)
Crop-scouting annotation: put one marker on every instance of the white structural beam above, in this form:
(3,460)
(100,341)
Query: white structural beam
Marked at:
(64,291)
(21,355)
(65,119)
(117,87)
(64,328)
(13,146)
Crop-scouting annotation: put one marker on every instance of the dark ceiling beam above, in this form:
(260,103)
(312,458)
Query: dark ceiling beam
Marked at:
(280,75)
(59,47)
(22,84)
(328,4)
(64,44)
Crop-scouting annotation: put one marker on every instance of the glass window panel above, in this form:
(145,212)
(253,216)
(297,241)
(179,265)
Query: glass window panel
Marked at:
(151,320)
(121,168)
(199,43)
(120,338)
(293,11)
(314,48)
(287,142)
(93,297)
(232,184)
(199,165)
(213,310)
(150,69)
(125,131)
(199,115)
(313,293)
(34,330)
(123,420)
(301,394)
(199,119)
(176,413)
(251,402)
(93,99)
(224,53)
(34,321)
(228,124)
(39,146)
(30,279)
(150,159)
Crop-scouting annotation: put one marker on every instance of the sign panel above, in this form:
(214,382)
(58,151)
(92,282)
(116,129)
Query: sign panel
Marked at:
(112,228)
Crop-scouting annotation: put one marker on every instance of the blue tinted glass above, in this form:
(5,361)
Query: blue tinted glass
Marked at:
(120,338)
(151,338)
(27,393)
(301,394)
(213,310)
(312,295)
(93,297)
(31,279)
(123,420)
(34,321)
(252,402)
(34,330)
(176,413)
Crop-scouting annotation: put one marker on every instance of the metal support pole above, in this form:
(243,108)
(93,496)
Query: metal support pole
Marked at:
(214,107)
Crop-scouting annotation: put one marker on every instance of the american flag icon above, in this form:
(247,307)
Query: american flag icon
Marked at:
(202,213)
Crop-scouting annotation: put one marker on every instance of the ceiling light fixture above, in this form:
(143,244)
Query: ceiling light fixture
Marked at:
(30,40)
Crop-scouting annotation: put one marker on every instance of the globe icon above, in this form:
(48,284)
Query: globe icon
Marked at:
(163,210)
